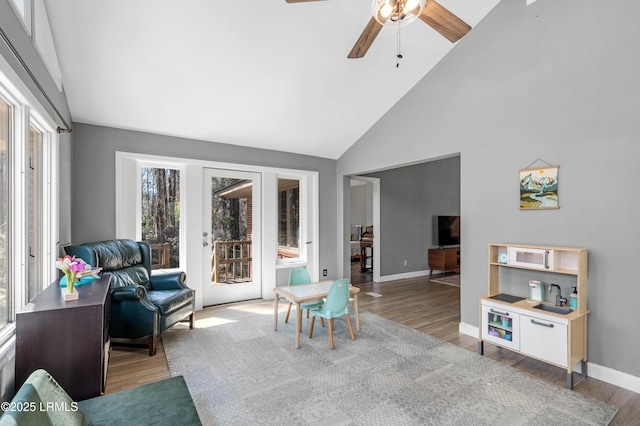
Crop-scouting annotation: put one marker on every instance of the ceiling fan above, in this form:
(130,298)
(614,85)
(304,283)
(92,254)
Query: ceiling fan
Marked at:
(397,12)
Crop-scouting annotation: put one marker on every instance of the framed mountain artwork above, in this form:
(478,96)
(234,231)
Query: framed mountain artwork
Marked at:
(539,188)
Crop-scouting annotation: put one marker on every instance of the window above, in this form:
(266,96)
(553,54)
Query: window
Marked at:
(34,221)
(23,10)
(28,223)
(288,219)
(5,293)
(160,205)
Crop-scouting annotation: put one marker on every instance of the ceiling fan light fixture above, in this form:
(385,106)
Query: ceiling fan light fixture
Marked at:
(397,12)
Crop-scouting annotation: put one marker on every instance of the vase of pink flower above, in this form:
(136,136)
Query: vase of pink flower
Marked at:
(73,268)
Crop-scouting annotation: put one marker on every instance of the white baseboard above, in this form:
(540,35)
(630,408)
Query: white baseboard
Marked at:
(614,377)
(606,374)
(406,275)
(468,329)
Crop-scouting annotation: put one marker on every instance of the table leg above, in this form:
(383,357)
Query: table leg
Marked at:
(275,312)
(298,324)
(355,306)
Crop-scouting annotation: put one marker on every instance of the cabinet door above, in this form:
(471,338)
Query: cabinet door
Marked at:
(532,258)
(543,339)
(500,326)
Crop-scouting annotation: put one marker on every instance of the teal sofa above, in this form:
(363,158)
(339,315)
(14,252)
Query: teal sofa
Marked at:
(42,401)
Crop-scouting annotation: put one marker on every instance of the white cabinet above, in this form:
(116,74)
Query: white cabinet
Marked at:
(555,338)
(532,258)
(543,339)
(500,326)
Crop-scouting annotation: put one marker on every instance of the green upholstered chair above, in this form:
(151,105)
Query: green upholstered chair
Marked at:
(335,305)
(299,275)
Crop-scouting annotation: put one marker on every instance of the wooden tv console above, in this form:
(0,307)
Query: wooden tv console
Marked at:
(444,259)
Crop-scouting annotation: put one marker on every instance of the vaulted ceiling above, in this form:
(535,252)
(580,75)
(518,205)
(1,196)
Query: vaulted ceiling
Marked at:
(259,73)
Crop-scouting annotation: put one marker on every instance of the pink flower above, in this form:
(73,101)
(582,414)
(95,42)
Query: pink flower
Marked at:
(77,267)
(71,265)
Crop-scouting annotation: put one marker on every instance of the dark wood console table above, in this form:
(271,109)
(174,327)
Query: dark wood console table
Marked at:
(444,259)
(68,339)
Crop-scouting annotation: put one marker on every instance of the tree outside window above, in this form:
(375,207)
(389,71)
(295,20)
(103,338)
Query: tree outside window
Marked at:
(161,214)
(288,218)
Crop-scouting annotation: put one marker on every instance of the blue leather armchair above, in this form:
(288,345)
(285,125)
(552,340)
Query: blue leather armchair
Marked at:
(142,305)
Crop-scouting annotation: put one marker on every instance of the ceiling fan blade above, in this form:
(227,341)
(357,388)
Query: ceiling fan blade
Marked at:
(366,39)
(444,22)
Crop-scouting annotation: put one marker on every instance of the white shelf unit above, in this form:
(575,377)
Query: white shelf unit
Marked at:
(554,338)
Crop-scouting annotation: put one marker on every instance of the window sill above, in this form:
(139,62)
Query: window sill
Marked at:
(282,264)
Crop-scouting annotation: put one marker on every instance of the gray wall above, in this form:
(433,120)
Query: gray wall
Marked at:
(557,81)
(362,204)
(409,198)
(22,42)
(94,173)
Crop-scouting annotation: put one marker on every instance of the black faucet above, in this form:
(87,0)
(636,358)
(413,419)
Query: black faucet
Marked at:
(559,299)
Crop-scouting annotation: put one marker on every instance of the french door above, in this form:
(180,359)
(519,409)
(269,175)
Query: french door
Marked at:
(231,236)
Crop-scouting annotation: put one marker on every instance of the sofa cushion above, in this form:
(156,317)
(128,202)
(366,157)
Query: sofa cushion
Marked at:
(168,301)
(42,401)
(131,276)
(117,254)
(166,402)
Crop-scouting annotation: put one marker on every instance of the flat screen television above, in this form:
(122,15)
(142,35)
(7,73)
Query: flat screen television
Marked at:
(448,230)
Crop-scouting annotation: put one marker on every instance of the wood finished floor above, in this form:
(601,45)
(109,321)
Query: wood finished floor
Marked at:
(426,306)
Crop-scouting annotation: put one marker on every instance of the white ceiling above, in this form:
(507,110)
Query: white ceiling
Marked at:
(259,73)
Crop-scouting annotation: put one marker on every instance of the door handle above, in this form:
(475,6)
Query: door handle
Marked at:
(308,242)
(546,259)
(541,323)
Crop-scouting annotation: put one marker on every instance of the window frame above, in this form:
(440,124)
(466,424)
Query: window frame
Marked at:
(302,219)
(27,111)
(191,191)
(22,9)
(166,166)
(128,226)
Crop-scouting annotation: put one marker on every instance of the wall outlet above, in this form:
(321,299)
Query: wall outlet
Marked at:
(405,263)
(324,272)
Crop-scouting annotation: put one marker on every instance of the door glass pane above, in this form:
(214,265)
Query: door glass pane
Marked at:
(231,231)
(5,114)
(34,272)
(288,218)
(161,215)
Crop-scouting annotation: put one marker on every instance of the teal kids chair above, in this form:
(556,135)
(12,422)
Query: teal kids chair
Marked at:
(299,275)
(335,306)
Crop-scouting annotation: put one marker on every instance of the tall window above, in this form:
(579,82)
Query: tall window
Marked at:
(288,218)
(161,215)
(35,260)
(27,231)
(5,293)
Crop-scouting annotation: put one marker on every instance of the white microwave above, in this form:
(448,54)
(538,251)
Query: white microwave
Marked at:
(532,258)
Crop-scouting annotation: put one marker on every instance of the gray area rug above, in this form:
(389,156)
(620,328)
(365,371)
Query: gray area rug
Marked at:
(245,373)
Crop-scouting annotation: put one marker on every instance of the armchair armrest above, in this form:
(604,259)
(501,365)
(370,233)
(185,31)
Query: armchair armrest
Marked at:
(128,293)
(168,280)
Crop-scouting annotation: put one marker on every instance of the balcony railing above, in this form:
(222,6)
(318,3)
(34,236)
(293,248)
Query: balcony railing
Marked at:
(231,262)
(159,256)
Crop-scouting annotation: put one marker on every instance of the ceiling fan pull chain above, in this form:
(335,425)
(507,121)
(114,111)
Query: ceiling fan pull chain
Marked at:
(399,55)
